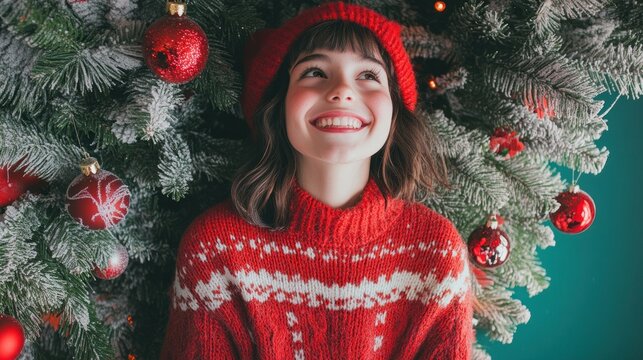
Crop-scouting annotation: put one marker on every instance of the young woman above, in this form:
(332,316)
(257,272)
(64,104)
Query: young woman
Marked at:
(323,250)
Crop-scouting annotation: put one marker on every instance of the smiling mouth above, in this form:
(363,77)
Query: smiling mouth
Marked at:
(341,122)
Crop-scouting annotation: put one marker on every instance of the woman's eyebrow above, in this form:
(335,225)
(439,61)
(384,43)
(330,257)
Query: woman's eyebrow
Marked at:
(326,58)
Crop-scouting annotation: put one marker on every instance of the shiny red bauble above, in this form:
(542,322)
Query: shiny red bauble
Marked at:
(11,186)
(175,48)
(97,199)
(116,265)
(12,338)
(489,246)
(576,212)
(14,183)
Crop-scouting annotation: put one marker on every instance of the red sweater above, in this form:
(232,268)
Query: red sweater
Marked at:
(374,281)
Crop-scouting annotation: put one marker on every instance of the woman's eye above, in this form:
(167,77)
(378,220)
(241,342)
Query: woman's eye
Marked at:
(313,71)
(371,75)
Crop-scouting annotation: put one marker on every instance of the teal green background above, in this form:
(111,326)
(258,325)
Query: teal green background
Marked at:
(593,306)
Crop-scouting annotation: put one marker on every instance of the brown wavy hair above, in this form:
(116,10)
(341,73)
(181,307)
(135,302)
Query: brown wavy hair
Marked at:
(261,192)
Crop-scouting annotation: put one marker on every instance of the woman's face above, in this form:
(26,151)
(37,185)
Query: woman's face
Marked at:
(350,94)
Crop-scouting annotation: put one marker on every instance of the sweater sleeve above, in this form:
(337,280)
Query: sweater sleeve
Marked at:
(196,329)
(451,335)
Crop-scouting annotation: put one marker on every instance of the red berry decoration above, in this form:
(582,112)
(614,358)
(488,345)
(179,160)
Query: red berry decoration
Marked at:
(576,212)
(175,47)
(506,143)
(12,338)
(488,245)
(97,198)
(116,265)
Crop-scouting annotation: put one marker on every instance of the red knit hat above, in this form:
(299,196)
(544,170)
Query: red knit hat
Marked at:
(267,48)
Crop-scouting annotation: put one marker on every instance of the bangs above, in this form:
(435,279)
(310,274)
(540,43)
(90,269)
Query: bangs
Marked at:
(337,36)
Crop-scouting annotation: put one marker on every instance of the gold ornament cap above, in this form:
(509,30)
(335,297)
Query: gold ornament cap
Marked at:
(89,166)
(176,8)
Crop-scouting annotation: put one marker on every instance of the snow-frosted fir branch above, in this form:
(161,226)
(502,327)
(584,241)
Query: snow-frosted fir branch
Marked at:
(478,184)
(568,91)
(451,139)
(498,313)
(150,110)
(42,154)
(420,43)
(16,229)
(17,90)
(121,11)
(475,21)
(175,168)
(91,343)
(617,67)
(530,184)
(85,70)
(36,288)
(69,244)
(523,267)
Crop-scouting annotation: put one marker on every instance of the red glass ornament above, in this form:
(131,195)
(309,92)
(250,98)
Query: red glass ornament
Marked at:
(116,265)
(489,246)
(175,48)
(12,185)
(12,338)
(14,182)
(97,200)
(576,212)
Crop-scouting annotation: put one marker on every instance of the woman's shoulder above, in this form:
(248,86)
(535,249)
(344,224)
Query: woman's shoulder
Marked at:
(214,223)
(435,223)
(217,216)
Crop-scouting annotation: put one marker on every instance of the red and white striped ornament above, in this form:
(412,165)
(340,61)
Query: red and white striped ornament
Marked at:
(97,198)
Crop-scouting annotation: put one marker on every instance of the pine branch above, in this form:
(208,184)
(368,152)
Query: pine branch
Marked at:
(499,314)
(531,185)
(452,140)
(85,70)
(150,111)
(569,92)
(175,168)
(20,222)
(91,343)
(523,267)
(41,153)
(479,25)
(420,43)
(477,185)
(216,159)
(618,67)
(35,289)
(219,82)
(69,245)
(17,90)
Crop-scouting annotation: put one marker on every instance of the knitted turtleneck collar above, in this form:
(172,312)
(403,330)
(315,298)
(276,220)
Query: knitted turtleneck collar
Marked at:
(362,223)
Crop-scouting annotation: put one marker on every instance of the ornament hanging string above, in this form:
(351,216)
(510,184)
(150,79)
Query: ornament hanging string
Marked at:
(85,153)
(575,179)
(610,108)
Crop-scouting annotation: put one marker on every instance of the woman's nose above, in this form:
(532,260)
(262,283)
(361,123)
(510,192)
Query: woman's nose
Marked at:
(341,92)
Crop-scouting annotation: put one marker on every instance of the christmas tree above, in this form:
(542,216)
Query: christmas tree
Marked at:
(509,86)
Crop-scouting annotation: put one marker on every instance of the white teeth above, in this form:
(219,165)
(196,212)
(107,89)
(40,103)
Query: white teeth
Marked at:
(340,122)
